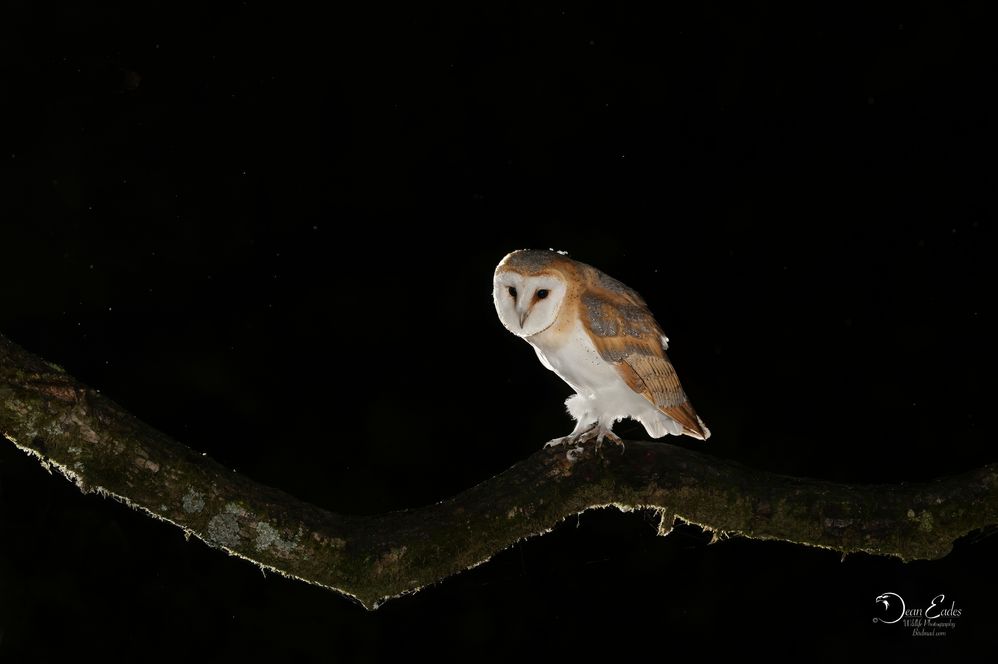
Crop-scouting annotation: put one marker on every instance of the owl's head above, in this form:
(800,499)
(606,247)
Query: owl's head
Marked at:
(529,288)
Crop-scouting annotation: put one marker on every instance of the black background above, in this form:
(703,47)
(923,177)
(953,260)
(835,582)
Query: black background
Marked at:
(221,213)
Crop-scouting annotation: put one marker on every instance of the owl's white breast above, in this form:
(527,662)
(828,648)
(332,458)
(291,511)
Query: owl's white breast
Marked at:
(574,358)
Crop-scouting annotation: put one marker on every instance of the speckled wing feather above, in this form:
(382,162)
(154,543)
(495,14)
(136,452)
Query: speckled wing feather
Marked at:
(626,334)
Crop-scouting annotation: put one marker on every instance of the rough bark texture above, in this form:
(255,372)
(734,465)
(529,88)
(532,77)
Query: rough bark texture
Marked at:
(102,448)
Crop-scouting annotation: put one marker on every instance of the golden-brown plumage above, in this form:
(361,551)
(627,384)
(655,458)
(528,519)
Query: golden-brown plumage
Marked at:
(627,335)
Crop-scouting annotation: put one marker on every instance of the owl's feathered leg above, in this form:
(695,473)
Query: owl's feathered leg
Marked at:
(589,426)
(585,421)
(580,431)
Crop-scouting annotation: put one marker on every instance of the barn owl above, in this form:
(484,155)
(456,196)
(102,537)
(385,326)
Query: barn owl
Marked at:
(599,337)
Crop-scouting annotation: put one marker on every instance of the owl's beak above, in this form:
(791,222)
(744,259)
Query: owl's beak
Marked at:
(524,311)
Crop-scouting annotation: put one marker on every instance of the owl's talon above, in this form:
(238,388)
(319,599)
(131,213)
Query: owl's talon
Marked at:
(576,437)
(612,437)
(599,434)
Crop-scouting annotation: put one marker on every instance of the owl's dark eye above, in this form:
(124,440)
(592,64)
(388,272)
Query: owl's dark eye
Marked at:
(512,291)
(542,293)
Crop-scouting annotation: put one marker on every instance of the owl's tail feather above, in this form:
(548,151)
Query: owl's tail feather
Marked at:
(692,425)
(703,433)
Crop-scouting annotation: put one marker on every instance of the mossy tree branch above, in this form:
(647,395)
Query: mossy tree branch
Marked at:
(95,443)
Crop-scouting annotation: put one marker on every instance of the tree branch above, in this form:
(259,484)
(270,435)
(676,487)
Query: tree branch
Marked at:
(96,444)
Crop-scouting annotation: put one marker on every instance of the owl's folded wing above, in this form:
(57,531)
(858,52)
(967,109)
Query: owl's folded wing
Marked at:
(626,335)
